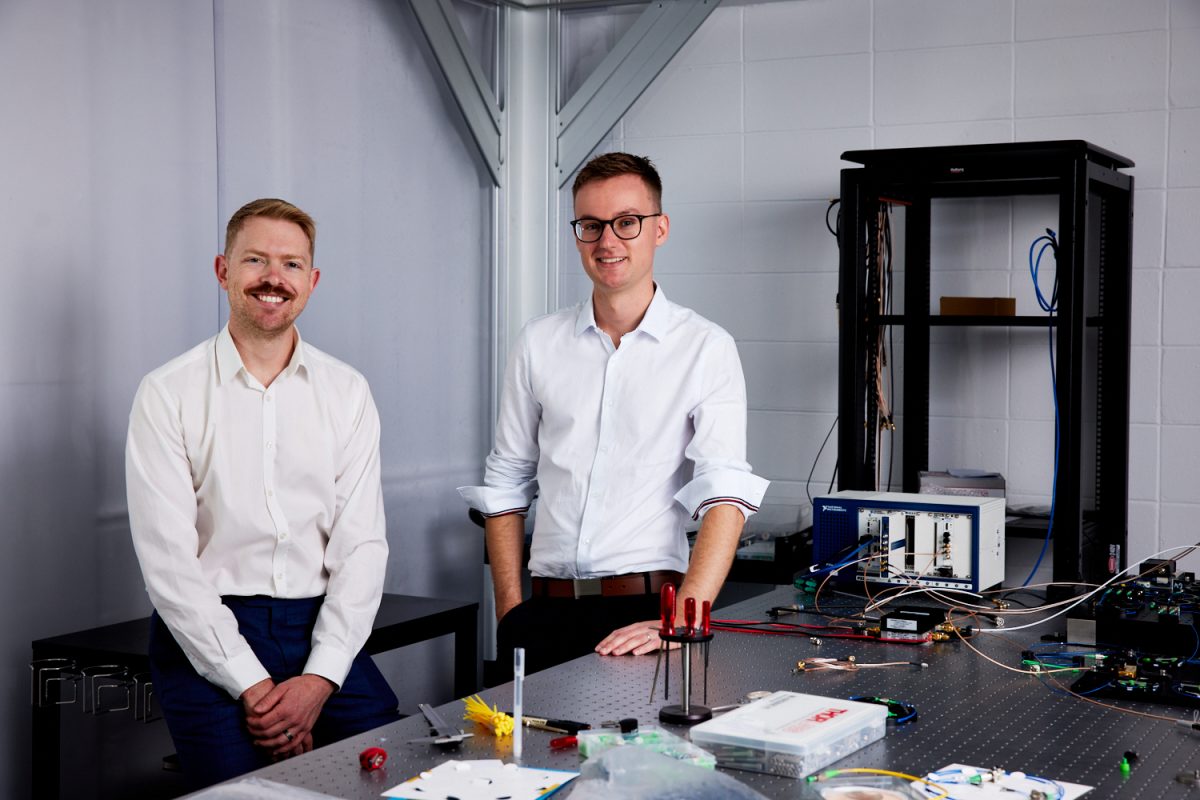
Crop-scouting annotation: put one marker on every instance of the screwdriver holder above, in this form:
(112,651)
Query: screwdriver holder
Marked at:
(685,712)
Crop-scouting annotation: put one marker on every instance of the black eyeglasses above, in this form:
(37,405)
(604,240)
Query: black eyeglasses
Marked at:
(626,226)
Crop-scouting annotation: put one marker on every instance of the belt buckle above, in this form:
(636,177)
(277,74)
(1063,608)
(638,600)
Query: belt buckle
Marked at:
(586,587)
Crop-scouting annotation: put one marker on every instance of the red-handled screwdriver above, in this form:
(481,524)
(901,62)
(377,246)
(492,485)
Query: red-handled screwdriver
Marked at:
(668,609)
(706,630)
(667,628)
(689,615)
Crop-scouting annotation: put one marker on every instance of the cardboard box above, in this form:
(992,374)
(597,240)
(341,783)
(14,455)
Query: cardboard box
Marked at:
(979,306)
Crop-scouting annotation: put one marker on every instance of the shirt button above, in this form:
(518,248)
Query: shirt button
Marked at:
(270,445)
(279,576)
(270,493)
(282,536)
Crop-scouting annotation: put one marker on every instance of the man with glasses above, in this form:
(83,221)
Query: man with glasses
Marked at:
(626,416)
(252,469)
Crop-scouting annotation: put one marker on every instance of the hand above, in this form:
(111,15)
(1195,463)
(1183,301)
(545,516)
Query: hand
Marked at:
(639,638)
(282,719)
(254,695)
(300,745)
(251,697)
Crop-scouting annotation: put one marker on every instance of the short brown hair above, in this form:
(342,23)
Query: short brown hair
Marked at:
(271,208)
(611,165)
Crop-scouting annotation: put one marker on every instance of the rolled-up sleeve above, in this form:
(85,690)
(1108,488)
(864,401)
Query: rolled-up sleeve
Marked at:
(721,475)
(510,471)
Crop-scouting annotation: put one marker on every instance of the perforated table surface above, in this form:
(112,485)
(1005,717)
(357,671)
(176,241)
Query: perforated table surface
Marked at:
(971,711)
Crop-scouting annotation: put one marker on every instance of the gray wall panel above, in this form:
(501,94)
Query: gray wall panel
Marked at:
(131,130)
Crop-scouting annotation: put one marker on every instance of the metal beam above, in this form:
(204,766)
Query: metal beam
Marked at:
(526,5)
(529,149)
(470,88)
(622,76)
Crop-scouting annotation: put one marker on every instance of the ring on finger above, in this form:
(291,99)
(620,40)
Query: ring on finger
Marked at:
(288,734)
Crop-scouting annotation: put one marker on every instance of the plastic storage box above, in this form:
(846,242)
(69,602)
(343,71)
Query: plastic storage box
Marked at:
(651,737)
(791,734)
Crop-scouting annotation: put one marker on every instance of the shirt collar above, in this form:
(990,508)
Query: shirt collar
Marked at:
(229,360)
(656,320)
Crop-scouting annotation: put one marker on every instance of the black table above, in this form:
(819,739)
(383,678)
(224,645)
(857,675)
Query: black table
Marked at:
(402,620)
(971,712)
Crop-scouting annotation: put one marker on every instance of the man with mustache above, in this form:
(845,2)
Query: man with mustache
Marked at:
(626,416)
(252,471)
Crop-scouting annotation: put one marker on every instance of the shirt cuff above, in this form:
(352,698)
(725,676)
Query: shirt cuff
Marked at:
(495,502)
(330,663)
(717,487)
(240,673)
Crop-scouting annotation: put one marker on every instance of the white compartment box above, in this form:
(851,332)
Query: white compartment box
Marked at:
(791,734)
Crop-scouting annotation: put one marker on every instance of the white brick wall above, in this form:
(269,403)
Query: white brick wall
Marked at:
(748,123)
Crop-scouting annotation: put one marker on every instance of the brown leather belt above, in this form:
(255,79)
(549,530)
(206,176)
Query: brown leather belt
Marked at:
(612,586)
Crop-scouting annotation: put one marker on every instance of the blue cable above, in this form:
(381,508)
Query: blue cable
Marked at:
(1101,687)
(847,562)
(1049,241)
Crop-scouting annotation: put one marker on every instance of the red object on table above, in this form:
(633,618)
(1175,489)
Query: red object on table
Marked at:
(668,609)
(563,743)
(372,758)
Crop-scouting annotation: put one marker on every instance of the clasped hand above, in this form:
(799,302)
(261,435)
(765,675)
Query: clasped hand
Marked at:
(280,717)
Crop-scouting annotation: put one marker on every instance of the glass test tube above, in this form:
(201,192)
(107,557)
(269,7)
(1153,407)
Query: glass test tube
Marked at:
(518,700)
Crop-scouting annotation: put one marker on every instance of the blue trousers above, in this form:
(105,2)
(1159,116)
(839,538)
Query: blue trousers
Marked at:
(208,726)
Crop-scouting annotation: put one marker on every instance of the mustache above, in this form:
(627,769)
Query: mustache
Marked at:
(267,288)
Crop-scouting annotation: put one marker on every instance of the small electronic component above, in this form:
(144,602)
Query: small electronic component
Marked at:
(911,623)
(1189,779)
(1015,784)
(1154,679)
(1148,635)
(899,711)
(1150,613)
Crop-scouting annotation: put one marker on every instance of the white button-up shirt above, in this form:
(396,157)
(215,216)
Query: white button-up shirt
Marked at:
(621,445)
(237,489)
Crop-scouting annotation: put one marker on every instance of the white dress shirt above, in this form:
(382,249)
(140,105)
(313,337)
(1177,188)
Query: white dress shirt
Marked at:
(621,445)
(237,489)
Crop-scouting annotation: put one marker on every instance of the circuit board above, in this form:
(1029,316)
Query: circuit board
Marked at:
(1146,679)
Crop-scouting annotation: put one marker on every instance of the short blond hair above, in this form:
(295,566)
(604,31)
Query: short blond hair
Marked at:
(271,208)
